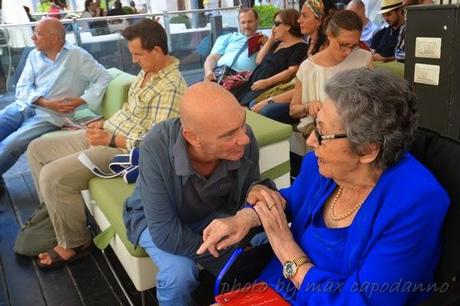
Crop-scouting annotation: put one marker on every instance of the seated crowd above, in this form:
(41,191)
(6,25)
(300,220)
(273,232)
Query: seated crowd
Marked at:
(362,210)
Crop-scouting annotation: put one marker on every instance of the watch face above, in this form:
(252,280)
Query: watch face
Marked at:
(289,269)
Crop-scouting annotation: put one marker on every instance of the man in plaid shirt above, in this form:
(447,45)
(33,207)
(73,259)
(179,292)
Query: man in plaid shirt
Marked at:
(58,174)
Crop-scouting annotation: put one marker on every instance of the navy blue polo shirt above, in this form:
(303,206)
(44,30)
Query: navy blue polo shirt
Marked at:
(384,41)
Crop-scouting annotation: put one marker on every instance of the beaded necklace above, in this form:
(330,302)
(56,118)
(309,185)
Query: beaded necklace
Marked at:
(348,213)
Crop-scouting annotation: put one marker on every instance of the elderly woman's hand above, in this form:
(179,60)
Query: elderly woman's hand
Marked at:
(274,221)
(280,237)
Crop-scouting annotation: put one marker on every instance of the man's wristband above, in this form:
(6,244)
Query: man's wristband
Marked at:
(248,206)
(112,142)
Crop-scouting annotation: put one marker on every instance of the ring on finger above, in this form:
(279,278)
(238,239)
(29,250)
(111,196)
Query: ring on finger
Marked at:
(270,206)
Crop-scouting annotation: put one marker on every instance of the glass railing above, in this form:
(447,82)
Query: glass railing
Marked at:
(190,38)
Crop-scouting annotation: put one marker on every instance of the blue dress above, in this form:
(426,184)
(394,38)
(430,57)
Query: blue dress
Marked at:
(389,253)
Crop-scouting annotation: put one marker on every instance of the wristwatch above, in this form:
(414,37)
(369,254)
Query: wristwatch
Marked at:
(290,267)
(113,143)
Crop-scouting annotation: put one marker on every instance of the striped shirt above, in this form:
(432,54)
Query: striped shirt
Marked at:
(156,101)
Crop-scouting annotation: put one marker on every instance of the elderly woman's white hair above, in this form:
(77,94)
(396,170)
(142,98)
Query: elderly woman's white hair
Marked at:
(375,107)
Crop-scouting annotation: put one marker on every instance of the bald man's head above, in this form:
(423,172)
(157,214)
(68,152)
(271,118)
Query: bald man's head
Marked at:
(213,122)
(206,102)
(49,35)
(53,25)
(358,7)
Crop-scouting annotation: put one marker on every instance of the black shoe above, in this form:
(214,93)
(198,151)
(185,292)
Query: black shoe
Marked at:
(2,185)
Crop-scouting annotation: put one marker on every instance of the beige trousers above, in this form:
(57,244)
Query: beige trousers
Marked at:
(59,177)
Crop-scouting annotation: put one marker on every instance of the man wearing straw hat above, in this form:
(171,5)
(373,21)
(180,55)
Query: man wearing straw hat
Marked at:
(384,41)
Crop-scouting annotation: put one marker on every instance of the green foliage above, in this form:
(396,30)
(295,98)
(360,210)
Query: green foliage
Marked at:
(43,6)
(266,13)
(181,19)
(128,10)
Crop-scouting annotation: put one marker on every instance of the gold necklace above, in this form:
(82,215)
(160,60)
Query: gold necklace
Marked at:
(334,201)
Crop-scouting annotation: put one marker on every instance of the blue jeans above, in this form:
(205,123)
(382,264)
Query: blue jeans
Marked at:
(177,276)
(17,129)
(276,111)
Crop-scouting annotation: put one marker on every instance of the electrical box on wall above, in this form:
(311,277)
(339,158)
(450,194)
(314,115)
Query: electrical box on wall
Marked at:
(433,65)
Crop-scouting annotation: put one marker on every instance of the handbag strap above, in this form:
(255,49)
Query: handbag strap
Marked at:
(245,45)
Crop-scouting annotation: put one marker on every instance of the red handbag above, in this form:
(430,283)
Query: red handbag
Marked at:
(235,80)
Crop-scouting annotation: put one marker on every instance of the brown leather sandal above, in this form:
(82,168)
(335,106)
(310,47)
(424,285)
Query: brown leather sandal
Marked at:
(57,261)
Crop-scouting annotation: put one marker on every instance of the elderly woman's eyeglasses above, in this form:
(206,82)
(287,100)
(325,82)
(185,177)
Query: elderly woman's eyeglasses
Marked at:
(320,137)
(277,23)
(346,47)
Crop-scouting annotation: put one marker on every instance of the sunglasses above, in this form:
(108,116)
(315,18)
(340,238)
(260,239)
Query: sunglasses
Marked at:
(277,23)
(320,137)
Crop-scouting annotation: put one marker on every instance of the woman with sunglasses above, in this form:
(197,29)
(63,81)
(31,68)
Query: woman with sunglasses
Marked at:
(312,22)
(279,58)
(342,53)
(366,216)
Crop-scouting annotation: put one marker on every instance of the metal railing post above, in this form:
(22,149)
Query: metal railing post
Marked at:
(216,27)
(76,31)
(167,29)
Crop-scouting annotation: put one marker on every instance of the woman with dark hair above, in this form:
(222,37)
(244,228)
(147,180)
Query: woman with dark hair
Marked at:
(90,9)
(314,15)
(342,53)
(279,58)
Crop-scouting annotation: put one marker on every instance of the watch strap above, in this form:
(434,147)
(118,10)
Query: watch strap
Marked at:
(300,261)
(113,143)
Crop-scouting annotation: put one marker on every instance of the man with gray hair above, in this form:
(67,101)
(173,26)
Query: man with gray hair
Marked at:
(369,28)
(57,78)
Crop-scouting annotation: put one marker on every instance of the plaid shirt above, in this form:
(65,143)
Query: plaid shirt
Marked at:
(156,101)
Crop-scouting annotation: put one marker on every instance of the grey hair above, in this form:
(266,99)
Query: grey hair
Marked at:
(375,107)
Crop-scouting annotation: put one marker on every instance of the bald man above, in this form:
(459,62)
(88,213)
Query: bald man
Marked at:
(195,174)
(56,80)
(58,174)
(369,28)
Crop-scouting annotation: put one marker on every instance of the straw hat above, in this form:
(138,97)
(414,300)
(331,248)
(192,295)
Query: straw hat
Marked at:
(389,5)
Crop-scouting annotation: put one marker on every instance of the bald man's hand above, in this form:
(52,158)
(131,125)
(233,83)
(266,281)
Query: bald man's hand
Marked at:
(225,232)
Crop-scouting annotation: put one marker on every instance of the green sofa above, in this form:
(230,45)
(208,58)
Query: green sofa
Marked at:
(394,67)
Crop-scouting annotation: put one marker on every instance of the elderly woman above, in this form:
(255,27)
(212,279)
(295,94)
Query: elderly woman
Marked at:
(366,215)
(279,58)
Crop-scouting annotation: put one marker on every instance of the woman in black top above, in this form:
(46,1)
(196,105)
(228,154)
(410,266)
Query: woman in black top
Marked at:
(279,58)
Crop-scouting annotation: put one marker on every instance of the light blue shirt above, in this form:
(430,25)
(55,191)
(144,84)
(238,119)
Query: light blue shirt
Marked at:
(74,73)
(368,32)
(227,46)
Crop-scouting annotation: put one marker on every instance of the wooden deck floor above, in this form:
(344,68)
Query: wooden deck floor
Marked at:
(22,283)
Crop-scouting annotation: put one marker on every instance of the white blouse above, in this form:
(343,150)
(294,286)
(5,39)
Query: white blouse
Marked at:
(313,77)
